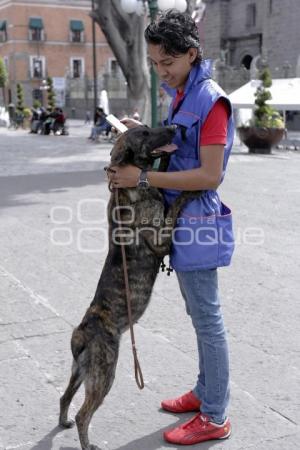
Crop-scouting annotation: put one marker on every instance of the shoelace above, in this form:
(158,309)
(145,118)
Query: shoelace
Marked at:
(193,422)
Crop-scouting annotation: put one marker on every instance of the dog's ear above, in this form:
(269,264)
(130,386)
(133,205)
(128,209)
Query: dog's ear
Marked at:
(121,151)
(128,154)
(125,154)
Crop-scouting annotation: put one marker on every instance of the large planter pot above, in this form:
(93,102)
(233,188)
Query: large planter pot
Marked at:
(26,123)
(260,140)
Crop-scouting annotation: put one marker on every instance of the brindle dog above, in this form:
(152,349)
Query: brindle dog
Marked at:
(147,234)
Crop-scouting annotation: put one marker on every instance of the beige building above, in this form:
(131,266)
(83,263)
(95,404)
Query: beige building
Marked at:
(41,38)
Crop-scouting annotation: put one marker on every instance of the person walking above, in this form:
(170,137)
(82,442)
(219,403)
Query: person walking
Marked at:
(203,240)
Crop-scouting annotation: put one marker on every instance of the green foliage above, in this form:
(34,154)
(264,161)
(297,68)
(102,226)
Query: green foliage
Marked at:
(266,78)
(27,113)
(265,116)
(20,97)
(3,74)
(36,104)
(51,93)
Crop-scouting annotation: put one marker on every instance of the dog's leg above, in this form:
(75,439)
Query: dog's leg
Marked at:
(94,396)
(65,400)
(98,381)
(83,419)
(163,237)
(178,204)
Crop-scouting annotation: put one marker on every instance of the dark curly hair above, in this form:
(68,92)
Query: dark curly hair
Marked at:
(175,32)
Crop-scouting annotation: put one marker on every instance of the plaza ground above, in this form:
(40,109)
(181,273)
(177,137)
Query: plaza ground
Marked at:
(53,194)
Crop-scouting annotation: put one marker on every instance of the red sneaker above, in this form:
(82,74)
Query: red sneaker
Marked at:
(196,430)
(186,403)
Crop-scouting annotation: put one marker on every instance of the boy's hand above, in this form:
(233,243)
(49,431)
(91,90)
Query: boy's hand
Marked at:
(131,123)
(124,177)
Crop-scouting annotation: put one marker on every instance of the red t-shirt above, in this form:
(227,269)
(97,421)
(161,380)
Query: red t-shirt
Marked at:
(214,129)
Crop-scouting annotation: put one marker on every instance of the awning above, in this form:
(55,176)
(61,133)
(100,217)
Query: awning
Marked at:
(2,25)
(36,23)
(76,25)
(285,94)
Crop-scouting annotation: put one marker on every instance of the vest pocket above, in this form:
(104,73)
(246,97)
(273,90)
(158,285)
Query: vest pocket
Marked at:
(226,237)
(203,242)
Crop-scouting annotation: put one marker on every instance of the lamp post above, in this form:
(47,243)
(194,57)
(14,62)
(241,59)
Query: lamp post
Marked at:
(153,9)
(133,6)
(44,88)
(95,87)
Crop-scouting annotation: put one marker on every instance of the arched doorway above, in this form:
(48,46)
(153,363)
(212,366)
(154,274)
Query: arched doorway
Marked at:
(246,61)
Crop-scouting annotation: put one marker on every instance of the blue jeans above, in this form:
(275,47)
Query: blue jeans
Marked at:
(97,130)
(200,292)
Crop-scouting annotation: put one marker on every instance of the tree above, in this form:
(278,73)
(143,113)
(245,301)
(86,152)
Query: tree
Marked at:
(265,116)
(3,78)
(125,35)
(20,98)
(51,93)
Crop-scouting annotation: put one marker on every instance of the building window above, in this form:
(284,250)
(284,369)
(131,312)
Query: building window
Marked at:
(36,29)
(251,15)
(114,67)
(37,94)
(246,61)
(37,67)
(76,31)
(76,36)
(77,67)
(3,31)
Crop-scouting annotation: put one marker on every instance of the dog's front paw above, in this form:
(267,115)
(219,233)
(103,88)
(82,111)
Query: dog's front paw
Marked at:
(66,423)
(94,447)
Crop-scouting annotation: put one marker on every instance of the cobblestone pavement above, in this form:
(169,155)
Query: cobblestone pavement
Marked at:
(53,236)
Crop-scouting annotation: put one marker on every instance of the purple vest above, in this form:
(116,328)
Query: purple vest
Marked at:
(203,237)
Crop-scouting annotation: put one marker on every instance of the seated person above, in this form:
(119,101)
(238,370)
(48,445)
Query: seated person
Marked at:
(59,119)
(100,124)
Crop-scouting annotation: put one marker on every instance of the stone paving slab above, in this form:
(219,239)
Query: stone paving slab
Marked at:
(30,404)
(33,355)
(125,392)
(48,154)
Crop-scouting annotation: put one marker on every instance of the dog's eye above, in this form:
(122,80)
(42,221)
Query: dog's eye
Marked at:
(146,133)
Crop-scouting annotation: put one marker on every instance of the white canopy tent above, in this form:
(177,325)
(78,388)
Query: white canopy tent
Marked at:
(285,94)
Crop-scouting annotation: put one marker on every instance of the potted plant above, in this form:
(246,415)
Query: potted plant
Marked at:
(266,128)
(27,117)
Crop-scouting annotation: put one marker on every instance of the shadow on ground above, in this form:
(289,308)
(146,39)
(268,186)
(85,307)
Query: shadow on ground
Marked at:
(14,186)
(153,441)
(46,443)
